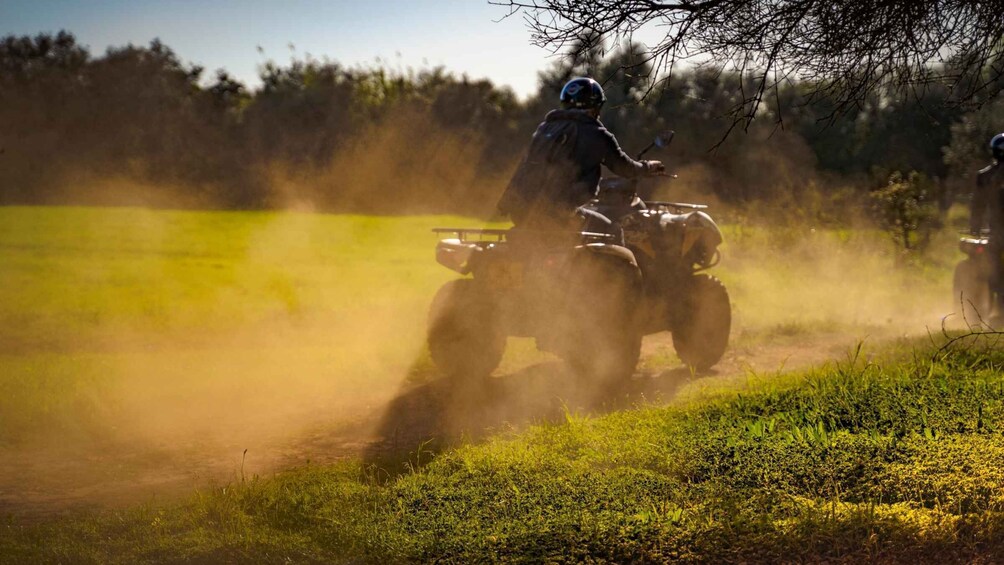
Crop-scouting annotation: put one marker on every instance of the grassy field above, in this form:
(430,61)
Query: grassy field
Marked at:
(107,311)
(894,461)
(73,272)
(122,313)
(160,329)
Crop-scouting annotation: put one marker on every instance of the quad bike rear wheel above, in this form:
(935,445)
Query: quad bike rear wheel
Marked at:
(971,294)
(464,338)
(603,308)
(701,331)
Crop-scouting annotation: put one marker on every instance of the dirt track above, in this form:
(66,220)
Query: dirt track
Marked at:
(387,434)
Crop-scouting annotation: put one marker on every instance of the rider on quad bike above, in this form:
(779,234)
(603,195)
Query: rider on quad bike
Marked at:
(980,278)
(561,170)
(589,268)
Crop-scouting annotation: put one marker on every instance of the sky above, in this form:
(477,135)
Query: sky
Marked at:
(464,36)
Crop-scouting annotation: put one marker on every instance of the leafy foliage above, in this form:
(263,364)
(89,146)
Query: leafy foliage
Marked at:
(907,209)
(373,140)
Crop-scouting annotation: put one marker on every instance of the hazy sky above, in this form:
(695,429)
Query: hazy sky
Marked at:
(465,36)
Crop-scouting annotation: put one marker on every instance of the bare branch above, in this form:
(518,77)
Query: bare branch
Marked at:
(848,51)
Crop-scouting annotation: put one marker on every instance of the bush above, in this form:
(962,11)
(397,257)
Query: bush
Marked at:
(907,209)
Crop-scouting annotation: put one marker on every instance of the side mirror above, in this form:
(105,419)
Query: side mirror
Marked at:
(663,139)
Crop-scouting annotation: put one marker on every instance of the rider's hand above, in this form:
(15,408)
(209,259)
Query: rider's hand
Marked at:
(655,167)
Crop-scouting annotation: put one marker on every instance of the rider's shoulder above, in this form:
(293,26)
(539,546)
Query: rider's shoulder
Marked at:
(991,175)
(574,115)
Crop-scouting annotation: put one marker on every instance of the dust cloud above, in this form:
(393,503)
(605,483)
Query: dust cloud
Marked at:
(800,296)
(176,403)
(328,362)
(818,279)
(267,327)
(406,164)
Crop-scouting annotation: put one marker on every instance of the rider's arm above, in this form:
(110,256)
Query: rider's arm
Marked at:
(618,161)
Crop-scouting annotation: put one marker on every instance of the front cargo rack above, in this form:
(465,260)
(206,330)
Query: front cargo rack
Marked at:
(676,206)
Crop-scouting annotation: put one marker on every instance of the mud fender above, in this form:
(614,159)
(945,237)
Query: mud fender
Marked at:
(618,251)
(698,227)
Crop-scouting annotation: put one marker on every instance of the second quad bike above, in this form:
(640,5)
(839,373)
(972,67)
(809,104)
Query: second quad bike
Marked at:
(634,268)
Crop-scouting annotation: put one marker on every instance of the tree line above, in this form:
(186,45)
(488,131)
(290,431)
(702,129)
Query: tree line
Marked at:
(372,140)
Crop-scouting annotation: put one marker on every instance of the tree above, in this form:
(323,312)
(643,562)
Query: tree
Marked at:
(849,49)
(40,77)
(906,210)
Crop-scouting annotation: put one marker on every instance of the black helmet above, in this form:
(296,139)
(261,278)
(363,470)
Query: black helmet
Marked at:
(582,93)
(997,146)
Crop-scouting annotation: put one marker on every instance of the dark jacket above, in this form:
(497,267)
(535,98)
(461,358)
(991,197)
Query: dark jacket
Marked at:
(595,146)
(551,182)
(987,207)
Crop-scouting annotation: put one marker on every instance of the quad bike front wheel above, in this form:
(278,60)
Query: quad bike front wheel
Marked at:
(464,338)
(971,292)
(701,331)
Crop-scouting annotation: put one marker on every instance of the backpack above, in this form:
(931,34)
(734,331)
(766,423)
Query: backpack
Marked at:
(545,177)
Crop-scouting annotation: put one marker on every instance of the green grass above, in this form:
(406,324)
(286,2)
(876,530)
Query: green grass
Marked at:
(109,314)
(74,271)
(125,321)
(898,461)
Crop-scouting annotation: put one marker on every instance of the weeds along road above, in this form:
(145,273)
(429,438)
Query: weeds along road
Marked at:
(142,352)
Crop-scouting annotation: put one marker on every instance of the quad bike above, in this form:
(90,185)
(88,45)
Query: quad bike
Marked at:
(589,295)
(578,294)
(971,292)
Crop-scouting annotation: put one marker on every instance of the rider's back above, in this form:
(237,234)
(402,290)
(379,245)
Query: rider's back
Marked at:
(561,170)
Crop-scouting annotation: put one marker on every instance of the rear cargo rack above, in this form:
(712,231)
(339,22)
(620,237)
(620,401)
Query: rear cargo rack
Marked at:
(490,234)
(466,234)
